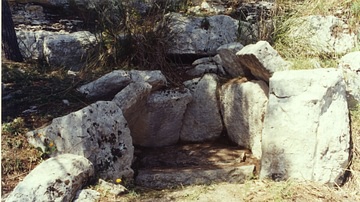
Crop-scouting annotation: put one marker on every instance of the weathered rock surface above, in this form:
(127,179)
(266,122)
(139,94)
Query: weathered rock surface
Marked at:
(191,164)
(56,179)
(155,78)
(107,85)
(262,60)
(98,132)
(111,188)
(161,120)
(202,119)
(87,195)
(322,34)
(177,177)
(350,65)
(68,50)
(243,107)
(201,35)
(306,128)
(132,100)
(31,43)
(229,60)
(112,83)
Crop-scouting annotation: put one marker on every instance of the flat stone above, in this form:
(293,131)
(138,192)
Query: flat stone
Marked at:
(194,164)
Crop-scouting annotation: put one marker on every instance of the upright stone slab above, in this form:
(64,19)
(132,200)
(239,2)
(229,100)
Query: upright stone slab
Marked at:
(161,120)
(243,106)
(306,129)
(202,119)
(99,132)
(262,60)
(56,179)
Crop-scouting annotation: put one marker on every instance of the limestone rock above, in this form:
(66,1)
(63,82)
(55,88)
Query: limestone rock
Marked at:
(107,85)
(98,132)
(31,43)
(132,101)
(202,69)
(171,178)
(56,179)
(243,107)
(306,129)
(201,35)
(161,120)
(202,119)
(262,60)
(113,82)
(350,65)
(155,78)
(322,34)
(68,50)
(229,60)
(87,195)
(112,188)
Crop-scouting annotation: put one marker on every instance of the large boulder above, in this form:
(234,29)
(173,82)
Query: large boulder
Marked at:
(306,133)
(68,50)
(200,35)
(262,60)
(202,119)
(98,132)
(350,65)
(161,120)
(243,107)
(321,34)
(56,179)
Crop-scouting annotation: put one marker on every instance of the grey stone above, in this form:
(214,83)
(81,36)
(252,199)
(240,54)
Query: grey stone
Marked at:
(350,65)
(107,85)
(87,195)
(262,60)
(155,78)
(229,60)
(202,119)
(68,50)
(98,132)
(56,179)
(182,176)
(306,133)
(161,120)
(243,106)
(200,35)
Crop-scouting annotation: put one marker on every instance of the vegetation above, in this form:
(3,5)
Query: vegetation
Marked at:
(140,41)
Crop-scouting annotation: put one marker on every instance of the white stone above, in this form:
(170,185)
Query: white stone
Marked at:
(202,119)
(87,195)
(322,34)
(201,35)
(350,65)
(56,179)
(306,129)
(262,60)
(161,120)
(31,43)
(68,50)
(155,78)
(98,132)
(243,107)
